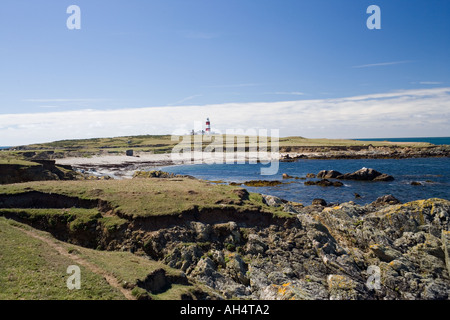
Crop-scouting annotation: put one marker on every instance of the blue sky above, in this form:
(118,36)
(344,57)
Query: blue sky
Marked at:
(194,53)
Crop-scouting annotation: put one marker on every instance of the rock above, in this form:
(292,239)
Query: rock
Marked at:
(366,174)
(291,208)
(153,174)
(445,239)
(385,253)
(155,282)
(286,176)
(341,287)
(329,174)
(262,183)
(436,290)
(218,258)
(255,245)
(129,153)
(310,175)
(205,267)
(242,194)
(237,269)
(323,253)
(415,183)
(324,183)
(385,200)
(272,201)
(319,202)
(384,177)
(303,289)
(202,231)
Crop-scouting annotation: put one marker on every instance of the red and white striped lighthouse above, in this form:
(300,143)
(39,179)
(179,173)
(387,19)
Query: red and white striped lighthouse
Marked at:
(208,126)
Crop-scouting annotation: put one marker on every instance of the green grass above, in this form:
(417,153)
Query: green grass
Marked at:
(32,270)
(76,218)
(129,268)
(304,142)
(15,161)
(165,144)
(148,197)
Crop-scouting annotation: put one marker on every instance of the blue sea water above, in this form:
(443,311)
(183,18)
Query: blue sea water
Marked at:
(432,173)
(433,140)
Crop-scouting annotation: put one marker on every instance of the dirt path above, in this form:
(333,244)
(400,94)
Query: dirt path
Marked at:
(78,260)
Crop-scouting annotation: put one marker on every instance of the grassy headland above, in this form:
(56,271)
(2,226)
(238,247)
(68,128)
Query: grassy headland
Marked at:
(158,144)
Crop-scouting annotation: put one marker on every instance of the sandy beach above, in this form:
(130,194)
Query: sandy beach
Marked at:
(122,166)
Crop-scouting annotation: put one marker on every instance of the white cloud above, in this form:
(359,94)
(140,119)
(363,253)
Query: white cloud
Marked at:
(185,99)
(292,93)
(424,112)
(63,100)
(382,64)
(238,85)
(430,82)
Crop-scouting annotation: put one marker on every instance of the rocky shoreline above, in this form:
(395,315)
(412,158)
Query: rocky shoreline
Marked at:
(384,250)
(324,253)
(121,166)
(362,152)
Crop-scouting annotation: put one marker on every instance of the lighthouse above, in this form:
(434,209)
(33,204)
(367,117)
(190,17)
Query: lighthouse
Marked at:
(208,126)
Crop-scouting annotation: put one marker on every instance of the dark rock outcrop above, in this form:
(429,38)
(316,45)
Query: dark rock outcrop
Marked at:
(319,202)
(323,183)
(385,200)
(329,174)
(367,174)
(262,183)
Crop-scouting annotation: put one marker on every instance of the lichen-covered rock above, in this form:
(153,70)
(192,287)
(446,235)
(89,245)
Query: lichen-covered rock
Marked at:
(384,253)
(327,252)
(385,200)
(446,247)
(272,201)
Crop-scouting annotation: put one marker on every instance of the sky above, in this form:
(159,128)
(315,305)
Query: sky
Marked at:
(306,68)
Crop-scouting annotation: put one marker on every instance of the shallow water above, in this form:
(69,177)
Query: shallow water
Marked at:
(432,173)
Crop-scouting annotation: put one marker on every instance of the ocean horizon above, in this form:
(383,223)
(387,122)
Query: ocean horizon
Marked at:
(433,140)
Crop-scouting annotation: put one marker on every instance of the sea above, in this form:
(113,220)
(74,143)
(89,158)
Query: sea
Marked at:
(433,174)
